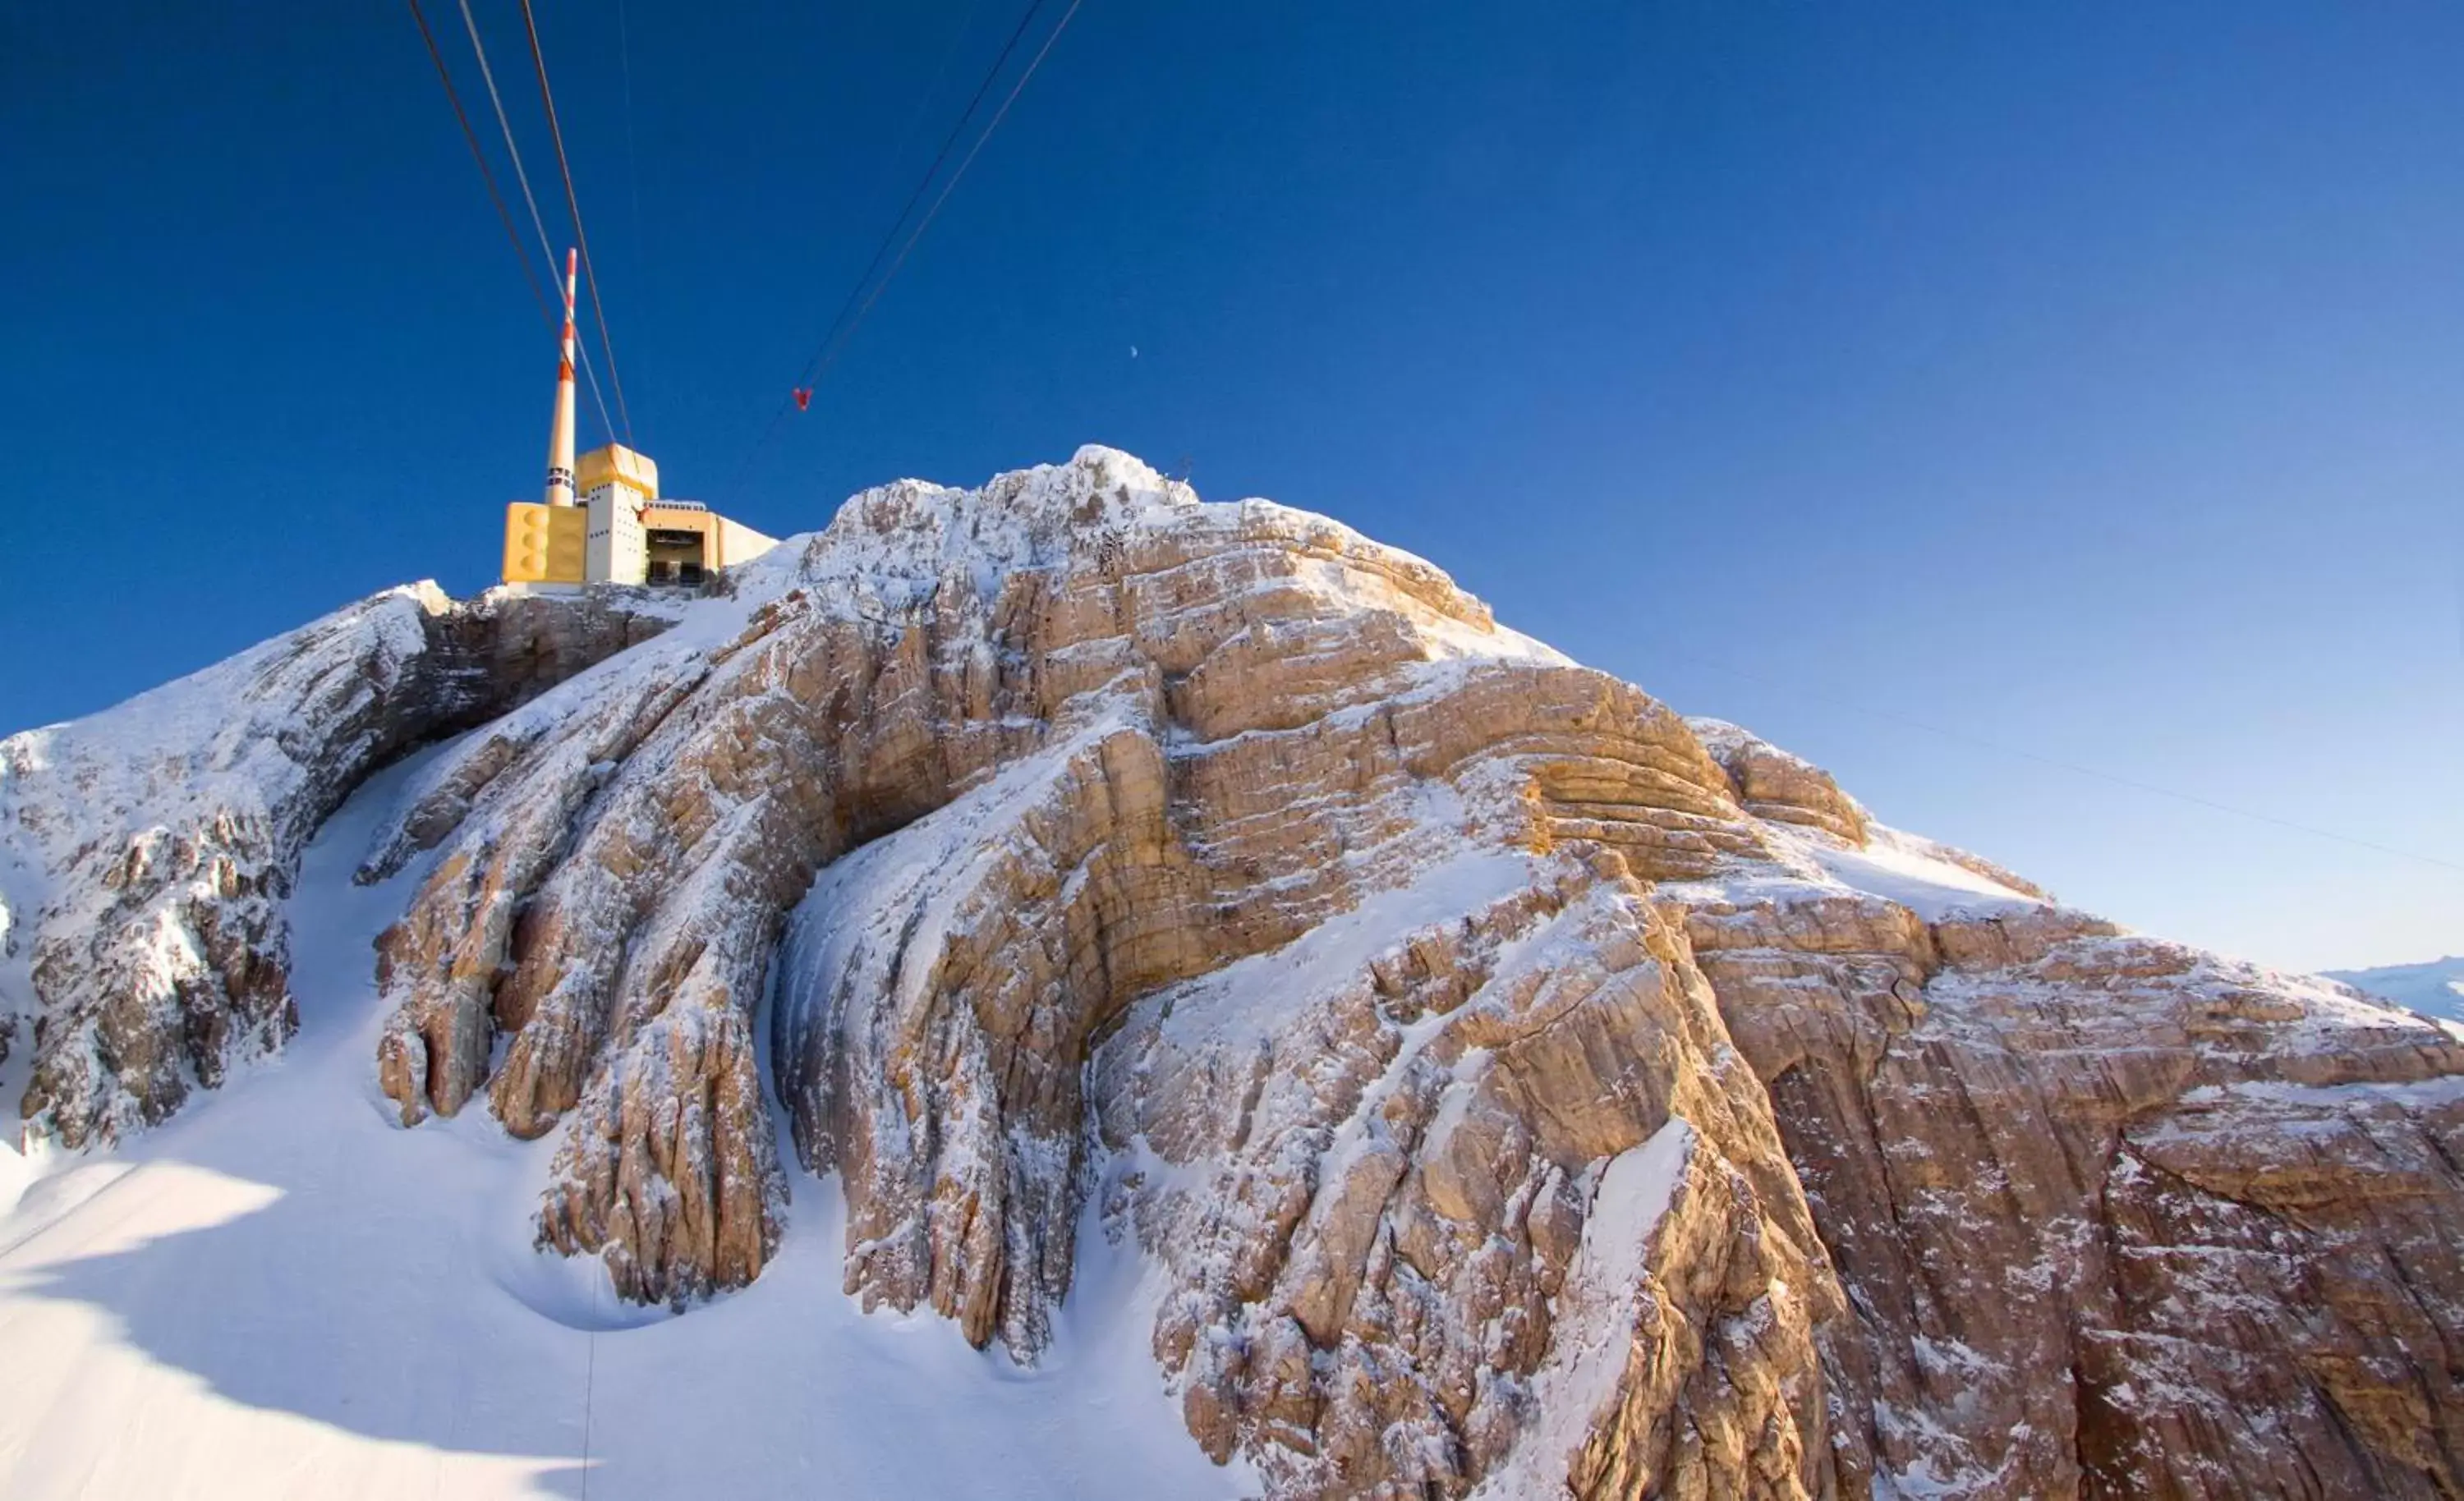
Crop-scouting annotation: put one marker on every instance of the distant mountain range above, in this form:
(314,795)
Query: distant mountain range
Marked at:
(2435,988)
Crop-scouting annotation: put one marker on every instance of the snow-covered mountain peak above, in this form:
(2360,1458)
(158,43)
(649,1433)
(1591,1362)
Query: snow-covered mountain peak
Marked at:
(911,535)
(1435,1067)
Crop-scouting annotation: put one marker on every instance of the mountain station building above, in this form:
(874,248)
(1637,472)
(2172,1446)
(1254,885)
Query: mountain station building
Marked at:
(621,532)
(602,521)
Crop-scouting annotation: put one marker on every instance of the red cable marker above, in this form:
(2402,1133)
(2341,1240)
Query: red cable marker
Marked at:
(803,398)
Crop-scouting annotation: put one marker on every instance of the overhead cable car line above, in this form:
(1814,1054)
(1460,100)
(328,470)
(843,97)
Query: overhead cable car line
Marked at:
(547,248)
(881,252)
(933,212)
(940,74)
(555,133)
(855,297)
(504,215)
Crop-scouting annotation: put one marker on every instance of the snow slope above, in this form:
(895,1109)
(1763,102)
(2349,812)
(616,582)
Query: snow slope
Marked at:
(2435,988)
(280,1293)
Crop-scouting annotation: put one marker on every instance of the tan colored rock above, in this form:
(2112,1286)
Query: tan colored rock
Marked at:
(1403,1189)
(2077,1186)
(1178,817)
(1772,784)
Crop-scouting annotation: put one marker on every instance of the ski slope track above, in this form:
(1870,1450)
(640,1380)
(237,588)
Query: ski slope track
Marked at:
(1066,989)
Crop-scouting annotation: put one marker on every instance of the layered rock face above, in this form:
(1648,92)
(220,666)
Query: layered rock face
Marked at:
(2116,1217)
(1518,1089)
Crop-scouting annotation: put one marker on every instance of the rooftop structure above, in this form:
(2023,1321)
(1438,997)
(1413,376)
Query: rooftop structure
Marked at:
(601,520)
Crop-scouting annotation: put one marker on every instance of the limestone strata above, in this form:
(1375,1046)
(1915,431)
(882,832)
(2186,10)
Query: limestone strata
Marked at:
(1369,1161)
(2116,1217)
(1772,784)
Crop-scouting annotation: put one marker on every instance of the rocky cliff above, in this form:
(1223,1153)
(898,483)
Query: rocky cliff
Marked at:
(144,851)
(1522,1089)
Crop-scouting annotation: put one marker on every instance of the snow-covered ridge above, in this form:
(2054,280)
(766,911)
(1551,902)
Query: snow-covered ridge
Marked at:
(146,846)
(893,553)
(237,732)
(889,549)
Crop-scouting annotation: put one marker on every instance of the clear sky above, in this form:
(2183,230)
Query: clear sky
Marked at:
(1933,388)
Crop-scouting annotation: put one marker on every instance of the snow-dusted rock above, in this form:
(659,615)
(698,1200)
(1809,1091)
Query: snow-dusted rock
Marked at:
(1518,1089)
(147,846)
(2114,1216)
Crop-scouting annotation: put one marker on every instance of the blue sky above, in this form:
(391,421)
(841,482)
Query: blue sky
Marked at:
(1956,395)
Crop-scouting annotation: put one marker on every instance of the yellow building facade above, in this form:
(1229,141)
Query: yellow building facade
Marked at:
(622,532)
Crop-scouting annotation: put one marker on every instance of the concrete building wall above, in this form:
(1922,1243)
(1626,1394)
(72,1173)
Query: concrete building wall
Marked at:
(724,542)
(545,544)
(616,553)
(738,543)
(605,539)
(616,464)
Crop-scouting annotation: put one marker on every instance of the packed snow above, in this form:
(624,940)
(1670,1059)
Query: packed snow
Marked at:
(280,1293)
(1907,869)
(1594,1336)
(1911,872)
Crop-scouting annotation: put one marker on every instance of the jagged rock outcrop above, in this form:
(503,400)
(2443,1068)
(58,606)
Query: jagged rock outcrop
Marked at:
(150,846)
(1383,1166)
(1519,1090)
(2116,1217)
(1772,784)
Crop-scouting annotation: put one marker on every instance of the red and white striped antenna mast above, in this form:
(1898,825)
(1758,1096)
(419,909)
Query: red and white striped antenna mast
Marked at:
(560,437)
